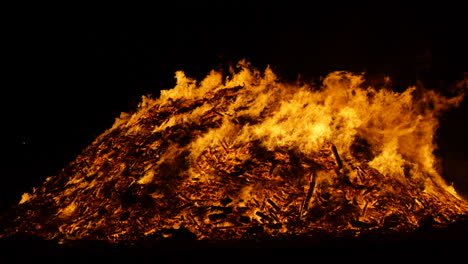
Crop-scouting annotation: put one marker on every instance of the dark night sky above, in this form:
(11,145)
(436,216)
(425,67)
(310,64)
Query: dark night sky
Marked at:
(66,76)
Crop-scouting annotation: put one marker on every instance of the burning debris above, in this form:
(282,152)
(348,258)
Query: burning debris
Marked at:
(248,157)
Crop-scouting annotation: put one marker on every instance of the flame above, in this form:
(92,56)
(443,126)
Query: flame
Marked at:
(351,149)
(398,127)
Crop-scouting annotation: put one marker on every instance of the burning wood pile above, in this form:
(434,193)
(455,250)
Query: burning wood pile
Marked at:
(250,157)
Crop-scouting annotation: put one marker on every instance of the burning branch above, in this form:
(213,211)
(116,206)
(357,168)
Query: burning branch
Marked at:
(339,163)
(306,203)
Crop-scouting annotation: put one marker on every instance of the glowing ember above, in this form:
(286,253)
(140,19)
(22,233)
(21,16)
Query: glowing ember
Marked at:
(249,156)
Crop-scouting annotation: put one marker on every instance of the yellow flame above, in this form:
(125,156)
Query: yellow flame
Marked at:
(399,127)
(25,197)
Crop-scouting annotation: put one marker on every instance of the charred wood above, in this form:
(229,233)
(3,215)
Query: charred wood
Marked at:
(307,200)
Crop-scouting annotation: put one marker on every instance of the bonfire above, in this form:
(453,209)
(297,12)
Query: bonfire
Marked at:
(243,155)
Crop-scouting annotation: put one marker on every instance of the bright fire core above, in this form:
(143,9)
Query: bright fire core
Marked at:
(247,155)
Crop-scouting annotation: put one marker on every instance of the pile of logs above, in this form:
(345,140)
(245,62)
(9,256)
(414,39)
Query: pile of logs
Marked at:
(136,182)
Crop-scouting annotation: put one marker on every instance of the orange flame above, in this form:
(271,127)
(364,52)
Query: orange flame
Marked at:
(399,127)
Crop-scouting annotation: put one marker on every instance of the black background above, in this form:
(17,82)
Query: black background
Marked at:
(68,73)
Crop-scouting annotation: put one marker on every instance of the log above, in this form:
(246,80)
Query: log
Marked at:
(274,205)
(339,163)
(306,204)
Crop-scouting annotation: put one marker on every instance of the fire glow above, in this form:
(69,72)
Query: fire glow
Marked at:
(246,155)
